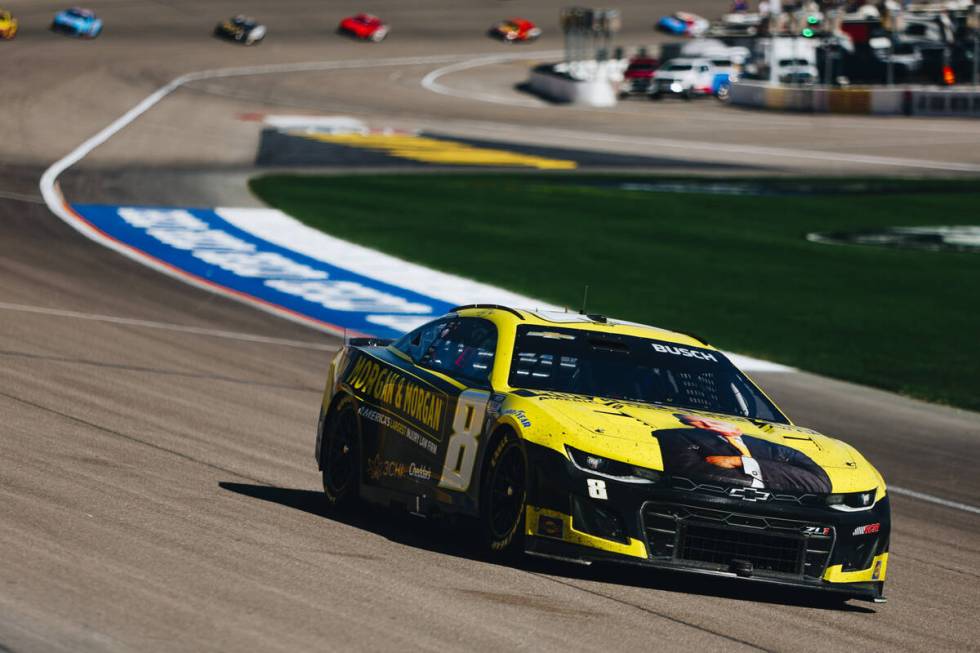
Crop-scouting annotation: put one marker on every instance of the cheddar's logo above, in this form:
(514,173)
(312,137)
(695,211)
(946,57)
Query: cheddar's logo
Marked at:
(396,391)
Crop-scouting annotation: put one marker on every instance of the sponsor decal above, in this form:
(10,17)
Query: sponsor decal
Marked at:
(749,494)
(551,527)
(394,390)
(867,529)
(493,406)
(684,351)
(202,244)
(399,427)
(959,238)
(420,472)
(378,468)
(519,416)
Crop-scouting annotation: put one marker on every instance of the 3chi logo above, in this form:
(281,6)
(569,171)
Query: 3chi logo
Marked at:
(749,494)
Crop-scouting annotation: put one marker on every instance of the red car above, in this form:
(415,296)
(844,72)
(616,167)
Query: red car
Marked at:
(515,29)
(639,76)
(365,27)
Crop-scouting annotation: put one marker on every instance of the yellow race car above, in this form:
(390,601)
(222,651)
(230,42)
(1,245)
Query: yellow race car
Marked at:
(8,25)
(589,439)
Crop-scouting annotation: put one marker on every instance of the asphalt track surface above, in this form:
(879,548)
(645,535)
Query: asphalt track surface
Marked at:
(157,486)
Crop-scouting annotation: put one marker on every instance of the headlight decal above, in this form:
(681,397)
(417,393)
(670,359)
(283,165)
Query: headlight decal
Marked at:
(614,469)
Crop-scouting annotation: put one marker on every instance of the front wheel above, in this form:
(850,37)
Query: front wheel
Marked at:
(503,498)
(339,456)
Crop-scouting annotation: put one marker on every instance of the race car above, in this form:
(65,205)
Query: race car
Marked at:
(589,439)
(683,23)
(241,29)
(638,76)
(364,27)
(77,22)
(8,25)
(515,30)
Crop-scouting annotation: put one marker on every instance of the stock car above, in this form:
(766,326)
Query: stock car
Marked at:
(241,29)
(77,22)
(588,439)
(8,25)
(515,30)
(364,27)
(683,23)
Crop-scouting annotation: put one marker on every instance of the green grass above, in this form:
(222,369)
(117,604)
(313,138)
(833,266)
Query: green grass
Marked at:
(735,270)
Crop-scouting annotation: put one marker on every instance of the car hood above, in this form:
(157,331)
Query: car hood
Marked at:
(648,435)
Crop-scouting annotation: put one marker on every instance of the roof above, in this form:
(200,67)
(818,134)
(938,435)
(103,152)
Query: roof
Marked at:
(511,317)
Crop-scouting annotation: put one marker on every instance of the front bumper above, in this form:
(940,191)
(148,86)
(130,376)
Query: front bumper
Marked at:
(676,524)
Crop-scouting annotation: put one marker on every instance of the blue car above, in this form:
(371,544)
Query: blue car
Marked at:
(721,84)
(77,22)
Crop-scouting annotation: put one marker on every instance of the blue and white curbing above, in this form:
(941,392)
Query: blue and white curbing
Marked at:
(271,260)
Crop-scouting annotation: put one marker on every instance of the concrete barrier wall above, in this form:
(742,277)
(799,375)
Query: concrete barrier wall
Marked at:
(963,101)
(945,102)
(563,88)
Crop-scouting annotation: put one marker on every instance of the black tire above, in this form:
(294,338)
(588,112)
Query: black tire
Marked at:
(656,96)
(503,496)
(340,455)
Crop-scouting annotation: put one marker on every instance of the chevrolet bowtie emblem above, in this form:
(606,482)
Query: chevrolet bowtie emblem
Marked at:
(749,494)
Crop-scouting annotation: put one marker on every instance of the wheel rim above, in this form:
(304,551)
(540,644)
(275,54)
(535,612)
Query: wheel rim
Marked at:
(507,490)
(340,463)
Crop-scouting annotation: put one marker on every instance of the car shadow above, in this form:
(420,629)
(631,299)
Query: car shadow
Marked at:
(458,538)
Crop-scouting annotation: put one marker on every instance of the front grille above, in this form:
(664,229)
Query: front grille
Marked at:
(640,85)
(721,546)
(712,538)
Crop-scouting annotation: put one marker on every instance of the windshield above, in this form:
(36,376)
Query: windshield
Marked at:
(678,66)
(642,66)
(629,368)
(793,62)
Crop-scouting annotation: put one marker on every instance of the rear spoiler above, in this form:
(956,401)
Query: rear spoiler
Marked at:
(370,342)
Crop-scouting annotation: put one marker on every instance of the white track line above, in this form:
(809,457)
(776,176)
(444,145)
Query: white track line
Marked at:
(166,326)
(430,81)
(756,153)
(21,197)
(939,501)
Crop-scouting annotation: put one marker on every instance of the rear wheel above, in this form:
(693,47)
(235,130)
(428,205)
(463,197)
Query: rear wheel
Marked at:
(339,455)
(503,496)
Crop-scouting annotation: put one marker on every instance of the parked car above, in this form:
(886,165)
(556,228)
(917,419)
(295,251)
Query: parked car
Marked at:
(77,22)
(8,25)
(796,71)
(365,27)
(515,30)
(241,29)
(638,76)
(684,78)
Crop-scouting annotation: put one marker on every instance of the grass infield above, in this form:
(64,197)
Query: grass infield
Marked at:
(734,269)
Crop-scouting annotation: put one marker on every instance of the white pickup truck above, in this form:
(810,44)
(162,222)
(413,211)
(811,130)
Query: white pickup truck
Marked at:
(689,77)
